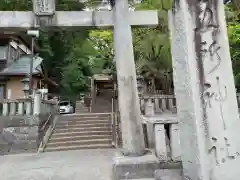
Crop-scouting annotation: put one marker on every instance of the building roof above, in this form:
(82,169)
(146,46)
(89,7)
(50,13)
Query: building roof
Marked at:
(102,77)
(22,66)
(23,37)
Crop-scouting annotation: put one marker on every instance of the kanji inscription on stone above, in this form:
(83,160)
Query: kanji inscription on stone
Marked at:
(44,7)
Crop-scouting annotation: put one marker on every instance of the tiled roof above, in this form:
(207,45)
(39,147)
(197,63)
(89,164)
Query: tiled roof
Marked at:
(22,66)
(102,77)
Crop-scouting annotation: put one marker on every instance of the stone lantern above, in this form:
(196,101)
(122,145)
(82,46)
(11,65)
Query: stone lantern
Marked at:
(81,97)
(140,85)
(26,88)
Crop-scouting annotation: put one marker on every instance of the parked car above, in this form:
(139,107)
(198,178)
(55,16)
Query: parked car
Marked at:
(66,107)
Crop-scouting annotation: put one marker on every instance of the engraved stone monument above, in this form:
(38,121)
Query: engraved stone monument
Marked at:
(204,87)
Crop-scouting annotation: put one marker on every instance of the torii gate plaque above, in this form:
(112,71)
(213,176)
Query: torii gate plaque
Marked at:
(44,7)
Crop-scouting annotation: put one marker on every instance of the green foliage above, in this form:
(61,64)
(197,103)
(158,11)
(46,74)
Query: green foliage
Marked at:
(20,5)
(102,41)
(154,4)
(75,74)
(233,20)
(234,38)
(236,4)
(152,46)
(74,80)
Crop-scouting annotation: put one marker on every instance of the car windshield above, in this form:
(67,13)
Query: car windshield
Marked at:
(64,103)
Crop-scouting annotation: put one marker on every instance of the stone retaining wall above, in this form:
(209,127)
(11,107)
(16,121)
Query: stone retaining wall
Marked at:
(20,134)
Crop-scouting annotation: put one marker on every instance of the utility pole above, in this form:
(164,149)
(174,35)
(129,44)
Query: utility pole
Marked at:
(34,34)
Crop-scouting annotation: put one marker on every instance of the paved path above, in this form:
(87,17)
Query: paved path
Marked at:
(66,165)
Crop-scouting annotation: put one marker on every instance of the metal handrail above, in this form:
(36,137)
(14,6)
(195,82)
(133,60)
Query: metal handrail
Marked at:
(45,124)
(113,125)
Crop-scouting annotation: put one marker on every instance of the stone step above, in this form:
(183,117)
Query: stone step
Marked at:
(82,118)
(86,121)
(103,108)
(104,121)
(78,147)
(90,121)
(80,142)
(82,125)
(82,137)
(141,179)
(169,174)
(79,112)
(97,110)
(80,104)
(81,109)
(89,115)
(94,114)
(71,134)
(83,121)
(82,129)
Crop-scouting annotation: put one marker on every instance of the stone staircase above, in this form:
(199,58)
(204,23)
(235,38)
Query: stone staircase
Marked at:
(81,131)
(81,108)
(103,102)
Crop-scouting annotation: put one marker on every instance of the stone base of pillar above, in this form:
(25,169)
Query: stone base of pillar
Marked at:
(147,166)
(125,167)
(169,174)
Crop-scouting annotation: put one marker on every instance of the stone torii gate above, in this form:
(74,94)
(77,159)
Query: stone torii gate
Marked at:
(45,16)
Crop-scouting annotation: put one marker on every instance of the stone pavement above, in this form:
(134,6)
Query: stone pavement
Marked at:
(66,165)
